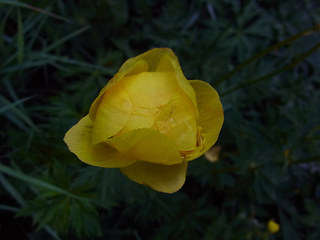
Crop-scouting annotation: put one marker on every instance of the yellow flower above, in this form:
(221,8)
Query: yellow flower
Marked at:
(149,121)
(273,226)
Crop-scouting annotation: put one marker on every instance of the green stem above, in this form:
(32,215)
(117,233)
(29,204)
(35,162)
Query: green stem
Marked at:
(274,73)
(267,51)
(253,168)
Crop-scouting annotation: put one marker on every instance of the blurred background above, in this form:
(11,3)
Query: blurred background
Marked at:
(263,58)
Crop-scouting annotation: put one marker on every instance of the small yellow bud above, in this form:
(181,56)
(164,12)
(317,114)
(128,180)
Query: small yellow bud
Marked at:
(273,226)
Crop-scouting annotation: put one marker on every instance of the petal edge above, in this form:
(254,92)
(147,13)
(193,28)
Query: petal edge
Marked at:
(162,178)
(210,114)
(78,140)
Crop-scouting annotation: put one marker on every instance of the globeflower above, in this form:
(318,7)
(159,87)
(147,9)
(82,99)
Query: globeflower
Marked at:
(149,121)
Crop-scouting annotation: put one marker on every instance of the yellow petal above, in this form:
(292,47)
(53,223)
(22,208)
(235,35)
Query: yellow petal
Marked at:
(140,118)
(151,57)
(112,114)
(154,60)
(162,178)
(169,63)
(135,67)
(78,139)
(147,145)
(210,114)
(178,121)
(161,60)
(151,89)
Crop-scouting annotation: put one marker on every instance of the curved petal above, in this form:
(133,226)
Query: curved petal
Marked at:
(178,121)
(133,68)
(161,60)
(210,115)
(169,63)
(154,60)
(162,178)
(151,89)
(147,145)
(151,57)
(137,121)
(78,139)
(112,114)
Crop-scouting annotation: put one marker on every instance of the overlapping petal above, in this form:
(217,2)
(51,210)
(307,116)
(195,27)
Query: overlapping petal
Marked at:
(137,121)
(210,115)
(147,145)
(154,60)
(178,120)
(78,139)
(112,114)
(135,67)
(151,89)
(162,178)
(169,62)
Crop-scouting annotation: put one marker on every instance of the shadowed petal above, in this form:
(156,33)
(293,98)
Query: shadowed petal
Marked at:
(133,68)
(210,114)
(169,62)
(162,178)
(112,114)
(147,145)
(178,121)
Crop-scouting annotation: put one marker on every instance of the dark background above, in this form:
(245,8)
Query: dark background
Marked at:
(261,56)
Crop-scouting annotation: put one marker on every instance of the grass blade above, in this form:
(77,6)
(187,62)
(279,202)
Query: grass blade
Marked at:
(8,208)
(40,10)
(20,39)
(11,190)
(38,182)
(66,38)
(18,113)
(16,195)
(11,105)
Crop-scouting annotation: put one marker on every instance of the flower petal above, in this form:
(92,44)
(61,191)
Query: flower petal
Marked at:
(178,121)
(147,145)
(126,70)
(162,178)
(160,60)
(169,63)
(78,139)
(151,57)
(210,114)
(154,60)
(151,89)
(112,114)
(137,121)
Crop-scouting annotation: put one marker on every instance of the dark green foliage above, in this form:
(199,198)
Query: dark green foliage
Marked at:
(261,56)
